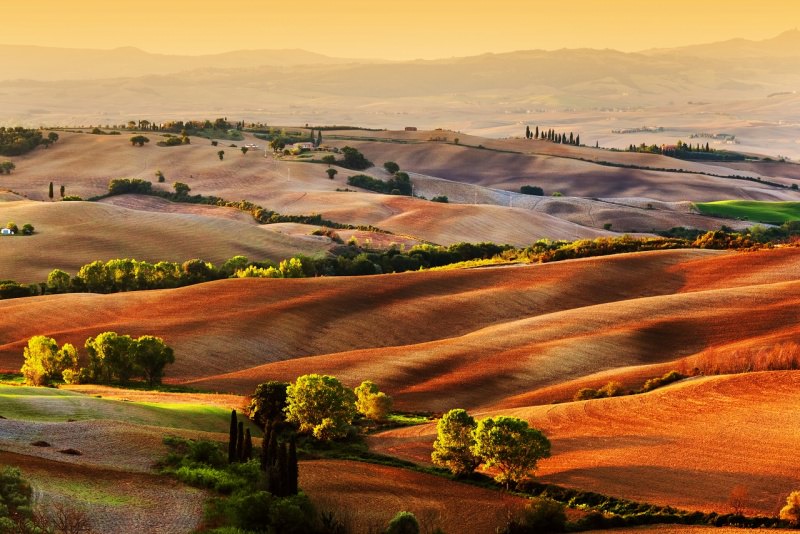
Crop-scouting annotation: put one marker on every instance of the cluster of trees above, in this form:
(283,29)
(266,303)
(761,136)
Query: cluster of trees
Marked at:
(399,184)
(354,160)
(189,126)
(6,167)
(506,443)
(552,136)
(17,141)
(172,140)
(110,358)
(122,186)
(317,405)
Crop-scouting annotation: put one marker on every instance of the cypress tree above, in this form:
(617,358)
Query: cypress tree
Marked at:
(50,193)
(313,139)
(293,470)
(577,140)
(247,449)
(232,438)
(268,430)
(571,139)
(527,132)
(319,137)
(240,441)
(536,135)
(272,450)
(283,471)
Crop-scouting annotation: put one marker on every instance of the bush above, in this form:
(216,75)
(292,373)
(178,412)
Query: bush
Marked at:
(791,512)
(355,160)
(391,167)
(441,198)
(668,378)
(403,523)
(612,389)
(531,190)
(585,394)
(540,515)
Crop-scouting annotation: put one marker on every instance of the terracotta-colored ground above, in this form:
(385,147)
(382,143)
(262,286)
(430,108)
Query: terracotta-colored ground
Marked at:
(437,340)
(687,445)
(367,496)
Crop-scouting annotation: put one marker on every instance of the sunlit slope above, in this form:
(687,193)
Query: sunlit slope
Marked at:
(686,445)
(71,234)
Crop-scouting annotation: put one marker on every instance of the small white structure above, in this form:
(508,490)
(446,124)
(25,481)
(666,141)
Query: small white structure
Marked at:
(303,146)
(6,231)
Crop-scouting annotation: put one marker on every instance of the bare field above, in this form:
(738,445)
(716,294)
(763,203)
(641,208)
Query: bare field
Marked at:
(367,496)
(71,234)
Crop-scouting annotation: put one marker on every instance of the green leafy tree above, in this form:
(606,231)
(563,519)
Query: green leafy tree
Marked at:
(6,167)
(150,356)
(40,360)
(320,405)
(269,402)
(244,150)
(27,229)
(236,263)
(331,173)
(291,268)
(454,441)
(58,281)
(52,137)
(371,402)
(110,357)
(330,159)
(510,445)
(353,159)
(13,227)
(391,167)
(221,154)
(181,189)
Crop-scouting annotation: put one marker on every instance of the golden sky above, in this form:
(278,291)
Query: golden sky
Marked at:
(392,29)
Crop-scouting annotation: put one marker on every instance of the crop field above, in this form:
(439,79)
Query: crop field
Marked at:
(750,210)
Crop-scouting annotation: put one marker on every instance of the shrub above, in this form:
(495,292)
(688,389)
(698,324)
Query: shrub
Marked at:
(542,515)
(531,190)
(72,198)
(353,159)
(668,378)
(15,500)
(391,167)
(585,394)
(403,523)
(612,389)
(441,198)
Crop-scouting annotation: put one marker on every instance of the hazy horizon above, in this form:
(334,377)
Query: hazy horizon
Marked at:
(412,30)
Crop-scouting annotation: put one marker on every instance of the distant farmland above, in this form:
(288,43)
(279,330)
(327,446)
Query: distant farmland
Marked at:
(751,210)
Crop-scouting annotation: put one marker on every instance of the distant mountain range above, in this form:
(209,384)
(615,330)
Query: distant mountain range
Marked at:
(68,86)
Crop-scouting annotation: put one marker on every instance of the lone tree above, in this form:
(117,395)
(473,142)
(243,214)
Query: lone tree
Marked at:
(181,189)
(454,441)
(371,402)
(40,360)
(403,523)
(139,140)
(63,190)
(321,406)
(330,159)
(6,167)
(510,445)
(244,150)
(331,173)
(50,191)
(233,434)
(221,154)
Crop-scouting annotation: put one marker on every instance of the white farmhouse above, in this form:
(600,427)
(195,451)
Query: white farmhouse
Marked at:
(6,231)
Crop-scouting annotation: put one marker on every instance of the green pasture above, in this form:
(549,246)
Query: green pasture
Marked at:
(751,210)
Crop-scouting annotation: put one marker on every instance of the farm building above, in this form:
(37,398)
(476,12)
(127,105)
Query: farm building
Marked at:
(6,231)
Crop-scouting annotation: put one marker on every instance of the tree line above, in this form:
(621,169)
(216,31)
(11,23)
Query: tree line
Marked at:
(111,358)
(553,136)
(683,150)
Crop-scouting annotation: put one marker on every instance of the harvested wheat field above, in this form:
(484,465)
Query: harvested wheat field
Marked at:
(113,501)
(657,447)
(71,234)
(360,495)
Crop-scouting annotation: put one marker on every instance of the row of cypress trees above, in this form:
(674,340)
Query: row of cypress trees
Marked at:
(278,456)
